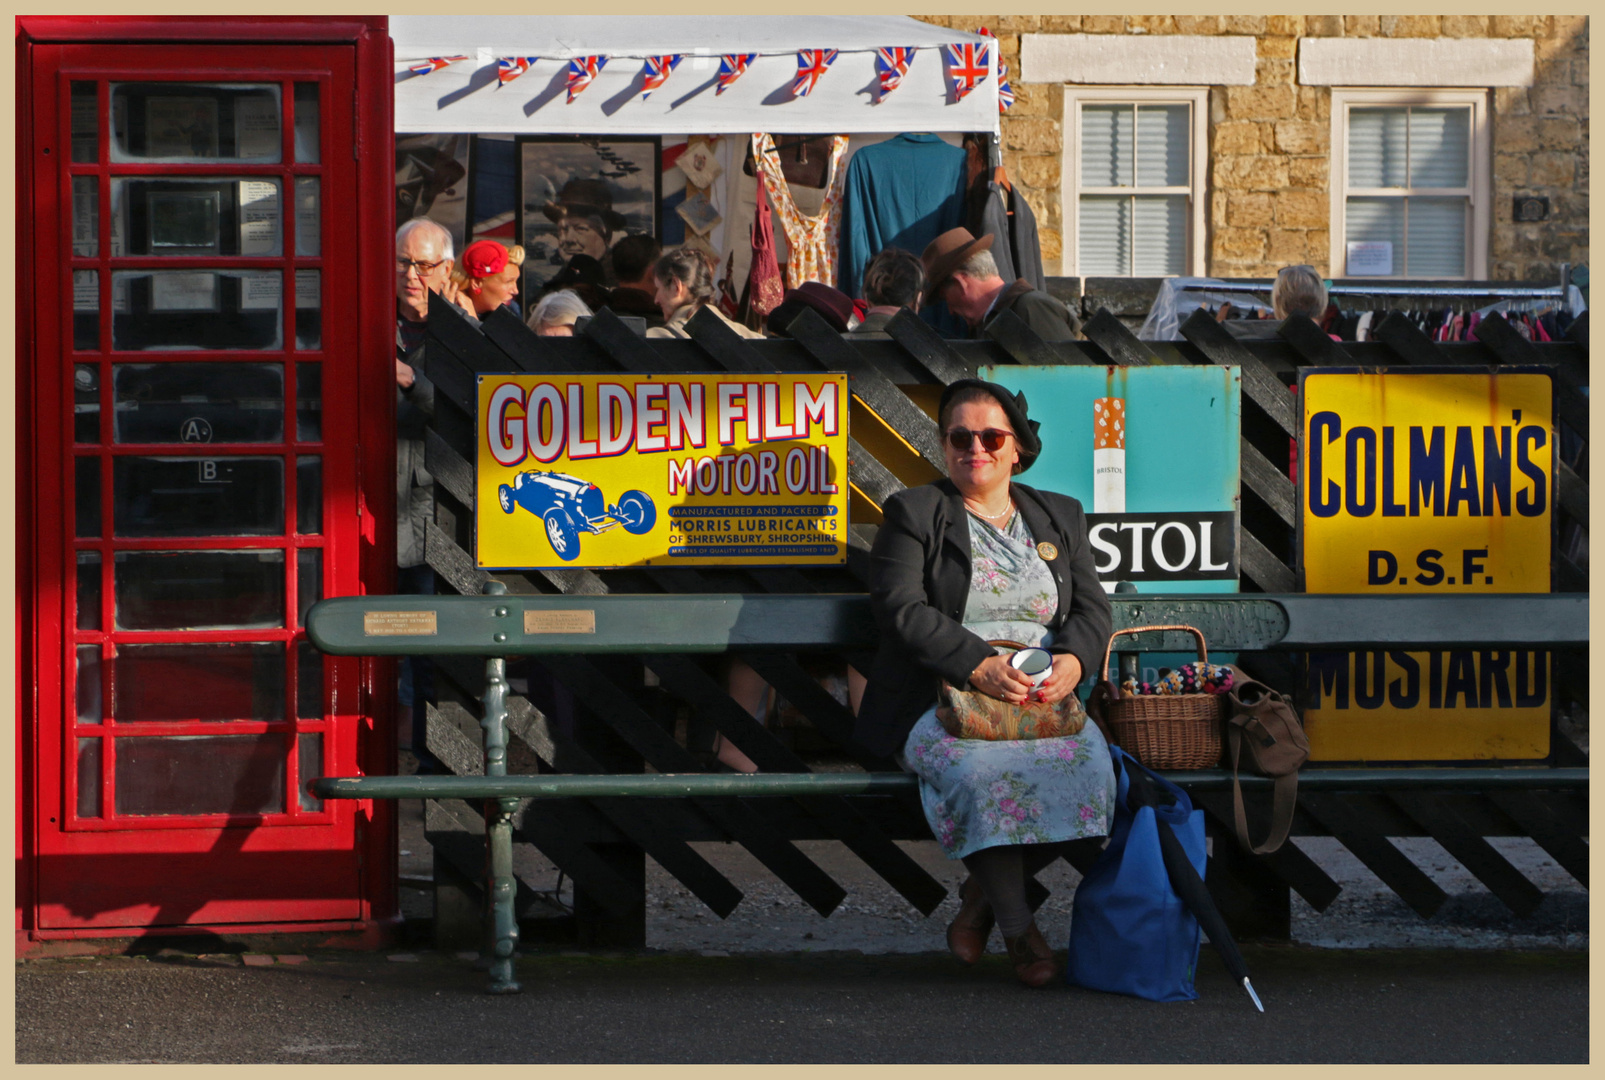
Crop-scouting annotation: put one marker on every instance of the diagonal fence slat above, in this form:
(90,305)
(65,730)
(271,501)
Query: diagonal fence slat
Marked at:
(1022,343)
(1474,853)
(1260,384)
(1121,345)
(927,348)
(1311,342)
(1267,481)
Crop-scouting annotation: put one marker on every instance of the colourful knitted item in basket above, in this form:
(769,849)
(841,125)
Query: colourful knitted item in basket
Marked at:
(1197,677)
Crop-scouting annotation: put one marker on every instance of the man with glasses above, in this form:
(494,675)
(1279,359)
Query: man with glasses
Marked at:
(423,265)
(960,271)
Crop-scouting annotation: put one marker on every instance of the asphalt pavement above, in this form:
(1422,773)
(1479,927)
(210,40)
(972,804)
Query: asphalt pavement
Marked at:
(1322,1006)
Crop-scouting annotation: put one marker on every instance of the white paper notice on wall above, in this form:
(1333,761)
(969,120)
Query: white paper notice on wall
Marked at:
(260,292)
(1370,258)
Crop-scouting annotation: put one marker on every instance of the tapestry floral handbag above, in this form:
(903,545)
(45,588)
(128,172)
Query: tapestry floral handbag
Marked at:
(970,714)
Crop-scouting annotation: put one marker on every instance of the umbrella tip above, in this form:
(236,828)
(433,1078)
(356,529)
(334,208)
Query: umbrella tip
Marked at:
(1253,996)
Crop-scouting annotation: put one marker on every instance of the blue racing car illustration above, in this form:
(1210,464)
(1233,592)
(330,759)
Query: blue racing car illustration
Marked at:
(570,506)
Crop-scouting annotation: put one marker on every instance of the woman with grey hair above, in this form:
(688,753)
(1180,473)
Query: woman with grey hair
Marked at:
(556,314)
(1299,290)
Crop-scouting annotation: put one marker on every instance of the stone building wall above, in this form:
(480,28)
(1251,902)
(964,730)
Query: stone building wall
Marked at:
(1269,199)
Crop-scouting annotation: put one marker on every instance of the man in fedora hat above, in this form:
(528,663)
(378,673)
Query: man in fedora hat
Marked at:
(586,220)
(960,271)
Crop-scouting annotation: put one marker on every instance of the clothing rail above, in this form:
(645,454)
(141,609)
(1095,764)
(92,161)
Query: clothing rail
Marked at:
(1557,292)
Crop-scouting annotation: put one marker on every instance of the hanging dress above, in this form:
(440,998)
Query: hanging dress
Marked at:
(812,240)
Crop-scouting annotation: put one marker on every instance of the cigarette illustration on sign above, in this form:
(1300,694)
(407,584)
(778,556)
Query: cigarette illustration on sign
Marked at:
(1109,455)
(707,470)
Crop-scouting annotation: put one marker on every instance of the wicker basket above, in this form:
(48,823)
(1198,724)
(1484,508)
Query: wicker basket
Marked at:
(1166,731)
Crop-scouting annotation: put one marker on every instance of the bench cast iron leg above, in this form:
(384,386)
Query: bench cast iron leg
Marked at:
(501,890)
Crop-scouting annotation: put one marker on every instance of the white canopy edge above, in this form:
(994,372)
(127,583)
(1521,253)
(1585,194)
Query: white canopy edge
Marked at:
(466,97)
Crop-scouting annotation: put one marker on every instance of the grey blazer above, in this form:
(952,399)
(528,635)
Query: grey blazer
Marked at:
(920,581)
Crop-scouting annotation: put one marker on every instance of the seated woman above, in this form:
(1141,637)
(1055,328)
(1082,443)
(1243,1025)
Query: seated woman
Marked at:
(685,286)
(957,563)
(556,313)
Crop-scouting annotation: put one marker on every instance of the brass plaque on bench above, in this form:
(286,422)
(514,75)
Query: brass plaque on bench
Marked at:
(571,621)
(398,623)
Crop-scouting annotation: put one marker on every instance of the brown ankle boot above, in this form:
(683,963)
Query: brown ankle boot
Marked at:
(967,933)
(1033,960)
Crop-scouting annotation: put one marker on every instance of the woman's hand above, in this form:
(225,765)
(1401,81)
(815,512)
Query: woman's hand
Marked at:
(1062,679)
(995,678)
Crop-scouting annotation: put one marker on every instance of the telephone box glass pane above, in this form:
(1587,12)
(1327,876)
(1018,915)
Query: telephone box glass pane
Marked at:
(309,495)
(86,497)
(307,126)
(205,682)
(309,681)
(197,309)
(85,123)
(86,402)
(201,774)
(196,216)
(88,695)
(199,590)
(308,216)
(199,403)
(195,122)
(310,763)
(88,778)
(187,496)
(85,217)
(88,603)
(309,402)
(309,581)
(86,316)
(309,310)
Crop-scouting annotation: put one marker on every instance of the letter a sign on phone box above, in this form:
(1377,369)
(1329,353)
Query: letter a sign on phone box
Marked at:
(661,470)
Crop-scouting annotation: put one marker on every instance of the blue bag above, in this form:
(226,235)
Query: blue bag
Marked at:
(1130,932)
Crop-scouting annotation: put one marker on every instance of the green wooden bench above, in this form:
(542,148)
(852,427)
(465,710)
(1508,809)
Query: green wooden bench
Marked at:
(499,625)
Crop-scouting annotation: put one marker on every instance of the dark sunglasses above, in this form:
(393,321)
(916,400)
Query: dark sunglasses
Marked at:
(992,439)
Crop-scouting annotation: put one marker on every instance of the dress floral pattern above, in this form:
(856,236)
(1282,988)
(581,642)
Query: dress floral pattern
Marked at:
(810,241)
(978,794)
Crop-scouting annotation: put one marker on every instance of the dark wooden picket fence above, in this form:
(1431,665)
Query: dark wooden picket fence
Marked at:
(580,715)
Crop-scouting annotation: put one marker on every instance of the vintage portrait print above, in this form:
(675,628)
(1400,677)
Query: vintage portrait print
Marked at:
(578,196)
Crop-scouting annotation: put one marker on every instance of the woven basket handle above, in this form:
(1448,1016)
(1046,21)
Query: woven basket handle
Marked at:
(1108,651)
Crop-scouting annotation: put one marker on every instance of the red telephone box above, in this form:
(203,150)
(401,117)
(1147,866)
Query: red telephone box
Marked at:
(205,405)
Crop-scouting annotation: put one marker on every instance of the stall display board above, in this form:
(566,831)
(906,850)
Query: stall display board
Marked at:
(617,470)
(1431,480)
(1152,453)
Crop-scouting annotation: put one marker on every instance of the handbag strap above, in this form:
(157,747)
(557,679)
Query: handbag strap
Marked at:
(1283,800)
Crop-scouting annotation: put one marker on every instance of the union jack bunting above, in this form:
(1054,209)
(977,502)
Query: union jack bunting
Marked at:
(967,66)
(891,65)
(434,63)
(656,71)
(733,66)
(581,70)
(511,67)
(811,64)
(1005,91)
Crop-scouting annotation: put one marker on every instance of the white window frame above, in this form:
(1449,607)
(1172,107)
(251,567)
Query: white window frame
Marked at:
(1070,188)
(1480,181)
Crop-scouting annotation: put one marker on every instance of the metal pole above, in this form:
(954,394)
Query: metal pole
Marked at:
(501,889)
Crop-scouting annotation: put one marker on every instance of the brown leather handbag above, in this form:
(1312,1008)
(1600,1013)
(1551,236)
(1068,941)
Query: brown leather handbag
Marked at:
(970,714)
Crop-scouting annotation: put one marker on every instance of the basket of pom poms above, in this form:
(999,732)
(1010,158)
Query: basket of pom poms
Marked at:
(1174,723)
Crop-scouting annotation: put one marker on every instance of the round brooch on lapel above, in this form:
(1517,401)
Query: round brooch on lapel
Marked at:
(1047,551)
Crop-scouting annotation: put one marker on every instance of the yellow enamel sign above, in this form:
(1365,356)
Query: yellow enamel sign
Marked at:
(1426,482)
(661,470)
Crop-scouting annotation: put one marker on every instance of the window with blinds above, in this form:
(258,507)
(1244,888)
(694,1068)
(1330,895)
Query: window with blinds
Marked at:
(1408,186)
(1134,188)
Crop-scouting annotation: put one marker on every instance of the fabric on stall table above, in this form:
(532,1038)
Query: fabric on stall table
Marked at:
(764,291)
(811,240)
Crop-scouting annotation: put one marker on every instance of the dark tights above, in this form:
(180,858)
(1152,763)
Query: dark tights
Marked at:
(1002,871)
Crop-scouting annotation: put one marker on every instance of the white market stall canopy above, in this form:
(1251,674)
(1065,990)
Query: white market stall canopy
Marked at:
(467,95)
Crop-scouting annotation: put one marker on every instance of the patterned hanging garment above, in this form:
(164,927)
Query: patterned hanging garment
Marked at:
(764,287)
(434,64)
(656,72)
(812,239)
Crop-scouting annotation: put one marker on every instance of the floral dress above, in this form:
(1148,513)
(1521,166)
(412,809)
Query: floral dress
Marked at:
(810,241)
(980,794)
